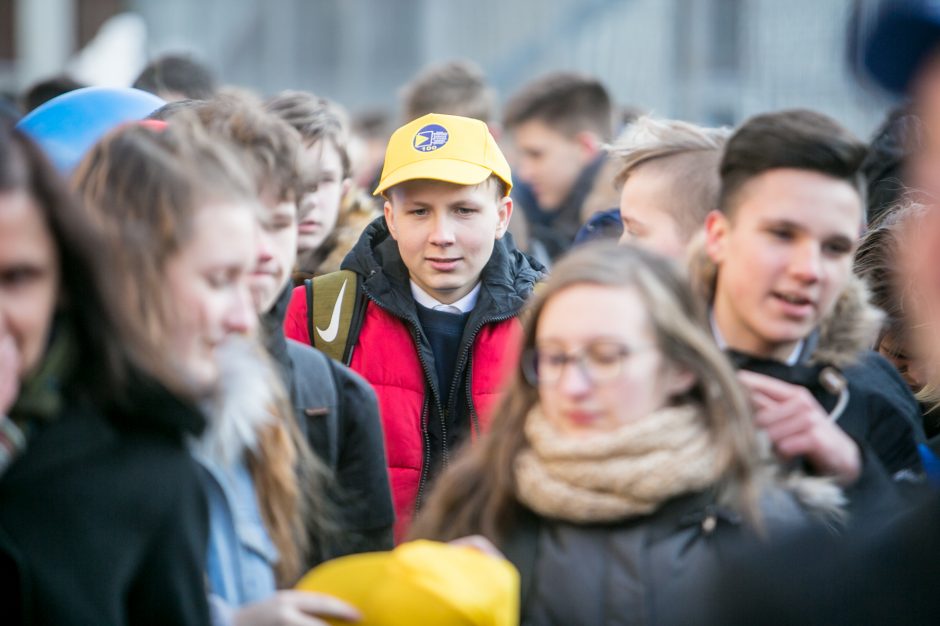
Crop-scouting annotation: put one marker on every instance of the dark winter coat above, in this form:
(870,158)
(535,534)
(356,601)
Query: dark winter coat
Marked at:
(392,352)
(881,415)
(337,411)
(105,524)
(654,569)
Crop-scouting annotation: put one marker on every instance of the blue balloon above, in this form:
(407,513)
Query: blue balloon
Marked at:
(67,126)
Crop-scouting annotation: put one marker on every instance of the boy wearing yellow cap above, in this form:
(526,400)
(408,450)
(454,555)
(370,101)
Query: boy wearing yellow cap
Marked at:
(438,286)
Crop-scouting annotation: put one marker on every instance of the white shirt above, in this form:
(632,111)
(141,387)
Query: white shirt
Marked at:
(464,305)
(793,359)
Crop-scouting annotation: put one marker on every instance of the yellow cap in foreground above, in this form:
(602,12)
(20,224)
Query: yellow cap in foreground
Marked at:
(422,582)
(450,148)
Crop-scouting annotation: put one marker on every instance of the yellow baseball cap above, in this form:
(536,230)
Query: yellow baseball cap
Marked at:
(422,582)
(450,148)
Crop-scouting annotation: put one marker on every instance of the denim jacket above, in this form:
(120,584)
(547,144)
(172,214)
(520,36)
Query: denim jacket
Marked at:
(241,557)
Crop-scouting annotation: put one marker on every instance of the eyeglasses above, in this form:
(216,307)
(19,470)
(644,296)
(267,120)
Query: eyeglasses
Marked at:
(598,362)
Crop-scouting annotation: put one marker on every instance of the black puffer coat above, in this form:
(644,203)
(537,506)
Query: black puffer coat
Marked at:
(106,525)
(654,569)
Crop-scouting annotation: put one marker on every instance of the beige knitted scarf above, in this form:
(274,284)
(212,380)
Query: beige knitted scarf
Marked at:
(610,476)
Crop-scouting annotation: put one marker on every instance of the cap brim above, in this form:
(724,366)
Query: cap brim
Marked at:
(446,170)
(351,578)
(898,45)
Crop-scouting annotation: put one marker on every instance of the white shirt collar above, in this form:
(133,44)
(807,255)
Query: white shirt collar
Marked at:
(793,359)
(464,305)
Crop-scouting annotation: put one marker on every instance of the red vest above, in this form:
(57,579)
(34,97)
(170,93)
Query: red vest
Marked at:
(385,354)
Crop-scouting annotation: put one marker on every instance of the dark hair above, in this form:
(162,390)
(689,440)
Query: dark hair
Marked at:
(454,87)
(316,119)
(41,92)
(797,138)
(112,353)
(883,167)
(268,146)
(178,73)
(168,110)
(372,124)
(566,101)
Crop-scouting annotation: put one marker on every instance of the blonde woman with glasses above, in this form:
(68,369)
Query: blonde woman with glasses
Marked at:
(623,461)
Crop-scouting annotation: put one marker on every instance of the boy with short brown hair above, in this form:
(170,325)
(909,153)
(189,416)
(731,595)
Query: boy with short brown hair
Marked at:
(786,306)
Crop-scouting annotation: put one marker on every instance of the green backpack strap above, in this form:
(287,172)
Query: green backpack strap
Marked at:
(333,313)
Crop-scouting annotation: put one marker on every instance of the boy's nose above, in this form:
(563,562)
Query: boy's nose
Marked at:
(241,318)
(442,233)
(805,262)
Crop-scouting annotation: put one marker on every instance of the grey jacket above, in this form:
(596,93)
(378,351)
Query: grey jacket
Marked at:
(337,411)
(654,569)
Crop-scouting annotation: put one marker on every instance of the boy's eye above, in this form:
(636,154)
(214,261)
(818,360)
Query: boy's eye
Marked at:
(465,210)
(837,248)
(784,234)
(278,224)
(418,212)
(218,279)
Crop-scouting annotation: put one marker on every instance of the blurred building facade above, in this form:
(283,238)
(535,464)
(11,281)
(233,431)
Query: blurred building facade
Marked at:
(709,61)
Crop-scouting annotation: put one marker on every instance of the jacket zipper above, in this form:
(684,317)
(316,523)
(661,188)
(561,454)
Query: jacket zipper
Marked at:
(427,456)
(425,467)
(422,482)
(465,362)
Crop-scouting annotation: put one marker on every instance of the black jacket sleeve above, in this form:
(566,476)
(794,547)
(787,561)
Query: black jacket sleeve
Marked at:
(892,418)
(362,473)
(169,587)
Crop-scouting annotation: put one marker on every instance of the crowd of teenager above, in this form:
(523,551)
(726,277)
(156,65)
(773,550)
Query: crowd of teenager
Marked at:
(544,364)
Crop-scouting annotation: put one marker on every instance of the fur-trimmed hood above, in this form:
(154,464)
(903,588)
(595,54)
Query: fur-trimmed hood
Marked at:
(850,329)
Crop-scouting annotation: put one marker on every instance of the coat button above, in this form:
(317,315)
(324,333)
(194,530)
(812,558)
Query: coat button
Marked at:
(709,523)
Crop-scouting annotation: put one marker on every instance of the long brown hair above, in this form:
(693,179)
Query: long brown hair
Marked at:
(477,494)
(144,188)
(115,357)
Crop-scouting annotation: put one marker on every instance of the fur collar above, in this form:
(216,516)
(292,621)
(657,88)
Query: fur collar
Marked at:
(241,405)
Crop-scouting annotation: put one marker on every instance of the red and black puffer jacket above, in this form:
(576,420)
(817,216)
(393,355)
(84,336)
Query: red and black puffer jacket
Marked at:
(392,353)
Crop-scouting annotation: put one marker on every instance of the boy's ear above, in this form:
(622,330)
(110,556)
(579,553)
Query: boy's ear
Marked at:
(504,208)
(716,235)
(589,143)
(347,185)
(390,219)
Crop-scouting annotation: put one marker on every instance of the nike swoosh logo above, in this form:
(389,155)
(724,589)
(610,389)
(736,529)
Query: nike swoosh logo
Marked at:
(329,333)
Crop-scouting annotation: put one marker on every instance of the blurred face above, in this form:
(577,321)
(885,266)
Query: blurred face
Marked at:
(906,359)
(924,160)
(319,208)
(621,376)
(783,258)
(208,282)
(917,288)
(549,161)
(276,252)
(29,281)
(446,233)
(646,220)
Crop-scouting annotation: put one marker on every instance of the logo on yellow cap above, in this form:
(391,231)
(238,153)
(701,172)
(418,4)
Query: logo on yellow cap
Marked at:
(430,138)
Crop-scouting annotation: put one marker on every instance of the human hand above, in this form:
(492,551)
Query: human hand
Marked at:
(480,544)
(295,608)
(799,427)
(9,373)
